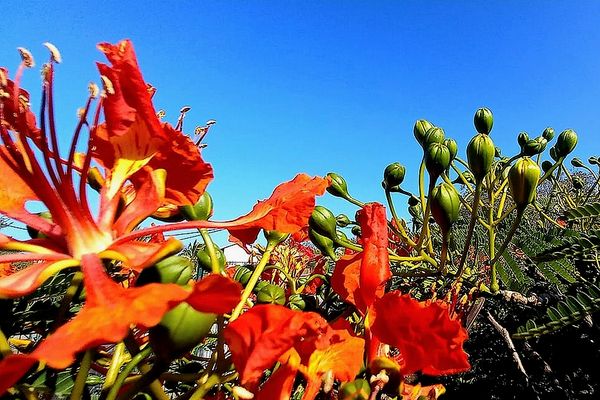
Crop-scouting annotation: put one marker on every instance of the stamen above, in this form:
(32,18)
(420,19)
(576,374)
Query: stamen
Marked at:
(182,112)
(93,89)
(108,85)
(54,53)
(3,79)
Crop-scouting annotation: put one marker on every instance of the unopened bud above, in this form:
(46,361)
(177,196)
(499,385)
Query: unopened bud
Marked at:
(566,142)
(338,186)
(393,176)
(480,155)
(420,130)
(523,179)
(483,120)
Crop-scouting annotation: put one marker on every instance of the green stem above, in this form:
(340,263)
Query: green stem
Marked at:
(399,225)
(120,380)
(288,277)
(589,193)
(148,378)
(214,261)
(4,346)
(253,281)
(475,207)
(205,387)
(70,293)
(115,365)
(81,378)
(444,253)
(425,230)
(513,229)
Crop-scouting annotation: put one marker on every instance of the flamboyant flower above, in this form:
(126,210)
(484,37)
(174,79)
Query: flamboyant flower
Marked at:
(136,153)
(300,341)
(427,338)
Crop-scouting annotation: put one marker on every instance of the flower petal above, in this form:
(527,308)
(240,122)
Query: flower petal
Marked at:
(28,279)
(12,368)
(428,340)
(215,294)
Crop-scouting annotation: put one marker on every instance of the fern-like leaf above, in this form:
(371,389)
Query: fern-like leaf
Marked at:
(585,211)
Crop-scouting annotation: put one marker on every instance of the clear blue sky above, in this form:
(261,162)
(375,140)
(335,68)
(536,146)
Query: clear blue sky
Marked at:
(301,86)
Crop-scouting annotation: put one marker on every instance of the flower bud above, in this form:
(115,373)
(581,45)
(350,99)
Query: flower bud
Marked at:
(201,211)
(437,159)
(480,155)
(356,231)
(468,177)
(577,182)
(445,206)
(323,243)
(323,222)
(355,390)
(242,274)
(593,160)
(434,135)
(531,148)
(204,260)
(566,142)
(342,221)
(415,211)
(548,134)
(174,269)
(483,120)
(554,154)
(275,237)
(338,187)
(523,179)
(452,146)
(546,165)
(180,330)
(341,237)
(393,176)
(522,139)
(296,302)
(413,201)
(576,162)
(420,130)
(271,294)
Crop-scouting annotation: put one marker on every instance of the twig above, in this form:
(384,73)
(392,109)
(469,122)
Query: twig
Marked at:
(506,336)
(533,300)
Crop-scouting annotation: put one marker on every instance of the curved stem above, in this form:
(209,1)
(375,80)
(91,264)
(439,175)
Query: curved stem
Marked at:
(463,257)
(287,276)
(120,380)
(148,378)
(513,229)
(444,253)
(425,230)
(81,378)
(115,364)
(399,225)
(210,248)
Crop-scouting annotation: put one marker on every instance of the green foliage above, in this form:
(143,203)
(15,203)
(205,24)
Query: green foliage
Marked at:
(590,210)
(566,312)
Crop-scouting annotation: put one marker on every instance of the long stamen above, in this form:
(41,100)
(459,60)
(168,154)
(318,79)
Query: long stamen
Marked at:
(44,139)
(82,121)
(53,135)
(88,155)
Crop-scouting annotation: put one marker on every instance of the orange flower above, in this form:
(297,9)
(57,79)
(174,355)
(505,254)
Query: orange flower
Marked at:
(428,339)
(135,150)
(301,341)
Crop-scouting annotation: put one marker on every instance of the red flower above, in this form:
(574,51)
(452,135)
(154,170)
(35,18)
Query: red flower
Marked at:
(301,342)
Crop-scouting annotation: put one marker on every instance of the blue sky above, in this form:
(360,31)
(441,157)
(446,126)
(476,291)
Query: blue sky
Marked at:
(301,86)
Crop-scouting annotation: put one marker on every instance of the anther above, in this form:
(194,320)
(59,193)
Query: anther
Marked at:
(108,86)
(93,89)
(26,57)
(54,53)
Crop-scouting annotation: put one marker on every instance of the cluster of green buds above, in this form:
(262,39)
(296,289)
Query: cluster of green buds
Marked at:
(438,151)
(322,230)
(531,147)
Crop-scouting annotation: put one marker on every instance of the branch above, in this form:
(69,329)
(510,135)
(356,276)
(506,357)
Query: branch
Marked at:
(506,336)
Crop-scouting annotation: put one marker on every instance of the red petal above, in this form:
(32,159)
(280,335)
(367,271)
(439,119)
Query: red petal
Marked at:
(263,334)
(12,368)
(279,385)
(28,279)
(428,340)
(215,294)
(138,255)
(375,265)
(345,279)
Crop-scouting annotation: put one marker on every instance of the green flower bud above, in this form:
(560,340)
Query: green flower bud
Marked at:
(201,211)
(554,154)
(480,155)
(355,390)
(548,134)
(338,187)
(415,211)
(260,285)
(413,201)
(342,221)
(341,237)
(576,162)
(242,274)
(34,233)
(577,182)
(420,130)
(546,165)
(275,237)
(174,269)
(356,231)
(393,176)
(296,302)
(323,222)
(437,159)
(566,142)
(271,294)
(323,243)
(468,177)
(532,147)
(483,120)
(445,206)
(204,258)
(593,160)
(179,331)
(452,146)
(523,179)
(434,135)
(522,139)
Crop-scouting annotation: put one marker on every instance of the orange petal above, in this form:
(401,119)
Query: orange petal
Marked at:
(107,315)
(375,264)
(428,340)
(138,255)
(28,279)
(279,385)
(215,294)
(286,211)
(12,368)
(345,278)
